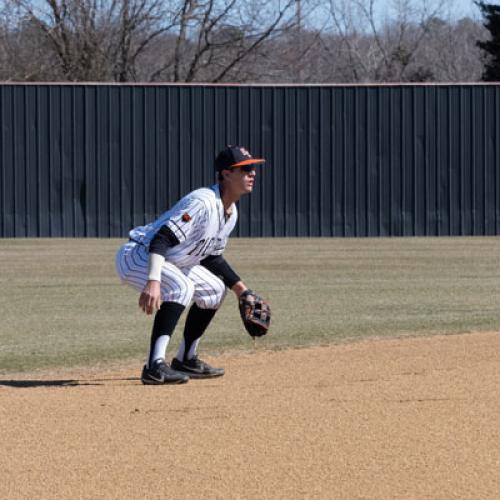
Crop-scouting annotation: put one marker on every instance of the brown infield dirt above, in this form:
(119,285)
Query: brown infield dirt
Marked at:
(400,418)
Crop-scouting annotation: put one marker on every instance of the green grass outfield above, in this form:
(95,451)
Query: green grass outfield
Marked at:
(63,305)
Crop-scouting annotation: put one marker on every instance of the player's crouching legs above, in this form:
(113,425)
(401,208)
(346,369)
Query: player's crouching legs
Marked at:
(175,286)
(210,290)
(214,298)
(209,295)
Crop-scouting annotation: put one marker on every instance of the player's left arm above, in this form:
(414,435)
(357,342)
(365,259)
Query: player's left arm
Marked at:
(219,266)
(254,311)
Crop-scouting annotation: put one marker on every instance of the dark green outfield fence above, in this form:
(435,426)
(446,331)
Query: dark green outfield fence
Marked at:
(95,160)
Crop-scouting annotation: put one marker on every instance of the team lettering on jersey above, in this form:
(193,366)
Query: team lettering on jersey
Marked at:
(197,222)
(205,247)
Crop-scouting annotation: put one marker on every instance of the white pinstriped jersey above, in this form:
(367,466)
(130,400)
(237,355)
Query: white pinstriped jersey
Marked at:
(198,222)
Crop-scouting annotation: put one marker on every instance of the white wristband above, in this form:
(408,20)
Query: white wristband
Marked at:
(155,264)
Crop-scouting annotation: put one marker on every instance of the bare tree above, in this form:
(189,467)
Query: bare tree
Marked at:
(236,41)
(381,46)
(97,39)
(217,40)
(450,52)
(152,40)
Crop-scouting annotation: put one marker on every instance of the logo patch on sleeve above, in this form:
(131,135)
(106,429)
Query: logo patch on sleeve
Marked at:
(186,217)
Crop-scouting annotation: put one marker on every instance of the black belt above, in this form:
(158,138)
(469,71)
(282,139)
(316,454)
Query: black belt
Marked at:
(135,241)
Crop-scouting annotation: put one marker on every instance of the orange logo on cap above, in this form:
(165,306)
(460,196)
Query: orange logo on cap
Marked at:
(186,217)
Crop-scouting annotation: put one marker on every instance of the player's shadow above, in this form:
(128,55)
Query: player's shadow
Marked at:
(61,383)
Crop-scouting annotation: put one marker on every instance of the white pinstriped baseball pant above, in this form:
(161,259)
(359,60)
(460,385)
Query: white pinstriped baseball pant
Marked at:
(177,285)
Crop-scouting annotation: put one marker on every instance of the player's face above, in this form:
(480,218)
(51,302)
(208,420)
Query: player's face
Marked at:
(242,179)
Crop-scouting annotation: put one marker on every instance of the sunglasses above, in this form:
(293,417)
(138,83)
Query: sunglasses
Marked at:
(246,168)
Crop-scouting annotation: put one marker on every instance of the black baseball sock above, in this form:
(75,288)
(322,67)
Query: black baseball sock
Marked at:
(197,322)
(166,319)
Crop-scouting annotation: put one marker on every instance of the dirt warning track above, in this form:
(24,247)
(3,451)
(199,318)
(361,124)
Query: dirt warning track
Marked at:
(401,418)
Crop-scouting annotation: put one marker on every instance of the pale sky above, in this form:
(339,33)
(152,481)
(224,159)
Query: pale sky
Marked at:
(466,8)
(455,9)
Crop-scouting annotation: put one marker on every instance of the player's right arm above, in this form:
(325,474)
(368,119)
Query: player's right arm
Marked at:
(150,298)
(182,224)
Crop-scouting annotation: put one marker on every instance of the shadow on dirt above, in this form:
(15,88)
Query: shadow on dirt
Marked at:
(61,383)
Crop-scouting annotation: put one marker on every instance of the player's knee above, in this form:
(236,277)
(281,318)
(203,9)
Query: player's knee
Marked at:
(181,293)
(221,293)
(218,294)
(187,292)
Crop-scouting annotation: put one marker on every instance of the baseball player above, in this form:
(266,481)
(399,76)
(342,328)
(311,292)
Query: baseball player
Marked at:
(178,259)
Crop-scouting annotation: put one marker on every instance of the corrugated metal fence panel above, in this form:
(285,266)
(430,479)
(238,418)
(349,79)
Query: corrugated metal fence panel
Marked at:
(96,160)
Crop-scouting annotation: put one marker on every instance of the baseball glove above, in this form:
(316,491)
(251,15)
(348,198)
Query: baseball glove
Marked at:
(255,313)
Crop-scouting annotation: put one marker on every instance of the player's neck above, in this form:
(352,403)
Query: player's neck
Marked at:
(228,197)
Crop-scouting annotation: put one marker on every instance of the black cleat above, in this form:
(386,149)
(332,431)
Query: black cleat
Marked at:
(160,373)
(196,368)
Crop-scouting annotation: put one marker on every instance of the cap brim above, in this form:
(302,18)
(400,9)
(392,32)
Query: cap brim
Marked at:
(253,161)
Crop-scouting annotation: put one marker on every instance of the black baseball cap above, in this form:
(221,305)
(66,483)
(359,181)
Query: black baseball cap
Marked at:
(234,157)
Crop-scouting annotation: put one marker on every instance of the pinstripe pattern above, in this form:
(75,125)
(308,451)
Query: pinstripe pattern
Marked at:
(177,285)
(209,289)
(197,220)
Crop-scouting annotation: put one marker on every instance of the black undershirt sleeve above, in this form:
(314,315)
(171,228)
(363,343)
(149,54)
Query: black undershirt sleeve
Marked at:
(217,265)
(162,241)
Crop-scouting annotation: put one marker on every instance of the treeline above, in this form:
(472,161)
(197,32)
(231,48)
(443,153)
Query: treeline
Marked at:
(310,41)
